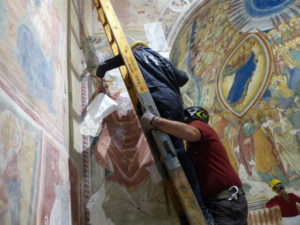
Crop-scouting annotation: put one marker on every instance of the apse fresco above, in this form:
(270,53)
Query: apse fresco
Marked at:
(244,67)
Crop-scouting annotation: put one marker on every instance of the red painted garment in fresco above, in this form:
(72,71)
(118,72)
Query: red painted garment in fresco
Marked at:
(287,209)
(212,164)
(123,150)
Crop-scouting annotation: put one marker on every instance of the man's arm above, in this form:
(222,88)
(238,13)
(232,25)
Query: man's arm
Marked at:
(179,129)
(175,128)
(271,203)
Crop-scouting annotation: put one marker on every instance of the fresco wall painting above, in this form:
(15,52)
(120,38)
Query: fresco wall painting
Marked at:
(245,74)
(257,122)
(55,201)
(20,153)
(33,60)
(34,189)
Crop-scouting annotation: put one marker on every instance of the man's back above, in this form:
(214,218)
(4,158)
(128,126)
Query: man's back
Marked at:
(211,162)
(163,81)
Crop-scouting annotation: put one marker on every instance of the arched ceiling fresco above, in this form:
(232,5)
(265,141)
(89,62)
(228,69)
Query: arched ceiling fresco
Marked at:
(209,39)
(243,59)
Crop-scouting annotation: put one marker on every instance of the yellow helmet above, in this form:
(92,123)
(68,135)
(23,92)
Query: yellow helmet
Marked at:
(274,182)
(136,43)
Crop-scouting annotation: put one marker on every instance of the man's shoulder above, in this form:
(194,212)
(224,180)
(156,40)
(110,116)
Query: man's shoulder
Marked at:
(200,124)
(292,195)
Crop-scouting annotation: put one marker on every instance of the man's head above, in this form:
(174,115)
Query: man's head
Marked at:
(196,113)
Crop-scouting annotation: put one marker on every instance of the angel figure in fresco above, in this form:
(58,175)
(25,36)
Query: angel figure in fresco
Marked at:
(294,24)
(288,59)
(287,149)
(275,36)
(279,86)
(285,32)
(287,146)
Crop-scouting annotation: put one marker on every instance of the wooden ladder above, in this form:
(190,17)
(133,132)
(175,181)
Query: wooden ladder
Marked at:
(139,92)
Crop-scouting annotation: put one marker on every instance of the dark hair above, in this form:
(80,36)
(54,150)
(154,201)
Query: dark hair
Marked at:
(196,113)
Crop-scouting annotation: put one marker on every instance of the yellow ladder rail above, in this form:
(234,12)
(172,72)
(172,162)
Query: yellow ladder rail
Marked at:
(139,91)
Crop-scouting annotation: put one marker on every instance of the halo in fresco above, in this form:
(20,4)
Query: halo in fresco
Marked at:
(255,15)
(245,74)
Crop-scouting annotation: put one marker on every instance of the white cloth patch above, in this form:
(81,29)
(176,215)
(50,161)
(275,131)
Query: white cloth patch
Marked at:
(101,106)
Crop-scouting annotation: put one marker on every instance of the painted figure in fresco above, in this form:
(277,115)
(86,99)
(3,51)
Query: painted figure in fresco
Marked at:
(243,67)
(279,86)
(294,24)
(285,143)
(293,114)
(61,213)
(266,161)
(10,185)
(285,32)
(226,126)
(287,203)
(275,36)
(218,180)
(246,144)
(51,178)
(287,146)
(206,49)
(294,73)
(266,126)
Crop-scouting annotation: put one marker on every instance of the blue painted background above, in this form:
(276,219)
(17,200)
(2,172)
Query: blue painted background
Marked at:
(39,71)
(261,8)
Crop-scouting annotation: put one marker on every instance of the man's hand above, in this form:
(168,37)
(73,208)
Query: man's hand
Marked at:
(148,121)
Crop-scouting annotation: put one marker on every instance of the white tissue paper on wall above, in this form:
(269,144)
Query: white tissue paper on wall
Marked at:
(101,106)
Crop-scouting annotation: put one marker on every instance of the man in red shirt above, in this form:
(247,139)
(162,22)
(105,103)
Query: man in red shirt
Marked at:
(220,185)
(287,203)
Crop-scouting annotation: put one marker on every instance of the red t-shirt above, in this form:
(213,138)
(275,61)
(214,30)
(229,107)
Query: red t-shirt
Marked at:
(212,164)
(287,209)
